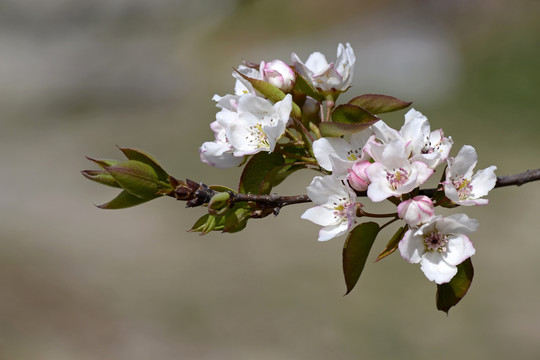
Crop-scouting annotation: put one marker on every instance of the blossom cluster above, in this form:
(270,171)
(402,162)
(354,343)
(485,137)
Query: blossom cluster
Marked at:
(375,160)
(387,163)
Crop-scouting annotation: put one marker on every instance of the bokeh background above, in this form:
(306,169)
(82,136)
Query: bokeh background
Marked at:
(80,77)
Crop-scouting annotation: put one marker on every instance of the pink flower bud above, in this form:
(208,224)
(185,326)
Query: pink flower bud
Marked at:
(357,177)
(279,74)
(416,211)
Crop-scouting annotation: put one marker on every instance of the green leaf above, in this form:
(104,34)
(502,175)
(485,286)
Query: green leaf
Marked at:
(271,92)
(352,114)
(356,251)
(393,243)
(103,163)
(449,294)
(378,104)
(254,177)
(236,219)
(139,155)
(124,200)
(305,87)
(334,129)
(136,178)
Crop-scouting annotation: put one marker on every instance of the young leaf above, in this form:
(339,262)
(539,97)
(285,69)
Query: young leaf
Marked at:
(303,86)
(135,177)
(393,243)
(449,294)
(139,155)
(378,104)
(352,114)
(356,251)
(124,200)
(256,170)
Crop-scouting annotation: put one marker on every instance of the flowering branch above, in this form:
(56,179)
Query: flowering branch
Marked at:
(284,118)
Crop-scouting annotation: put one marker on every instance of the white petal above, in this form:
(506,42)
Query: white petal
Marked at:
(218,155)
(464,162)
(457,224)
(320,215)
(324,147)
(436,269)
(411,247)
(483,181)
(329,232)
(459,248)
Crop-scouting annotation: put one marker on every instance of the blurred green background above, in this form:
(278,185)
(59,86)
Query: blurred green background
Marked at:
(80,77)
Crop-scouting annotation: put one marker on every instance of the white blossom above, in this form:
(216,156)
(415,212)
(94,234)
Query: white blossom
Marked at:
(328,76)
(392,174)
(336,206)
(461,186)
(439,246)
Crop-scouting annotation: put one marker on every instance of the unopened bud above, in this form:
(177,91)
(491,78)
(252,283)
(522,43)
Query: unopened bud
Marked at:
(357,176)
(416,211)
(279,74)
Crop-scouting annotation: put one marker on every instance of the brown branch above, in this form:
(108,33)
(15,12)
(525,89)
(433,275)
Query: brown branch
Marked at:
(518,179)
(199,194)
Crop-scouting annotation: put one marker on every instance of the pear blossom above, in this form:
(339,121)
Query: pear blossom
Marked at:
(439,246)
(461,186)
(416,211)
(243,86)
(392,174)
(328,77)
(340,154)
(257,125)
(336,206)
(430,147)
(279,74)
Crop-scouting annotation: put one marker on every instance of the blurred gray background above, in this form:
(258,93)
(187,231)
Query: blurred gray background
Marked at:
(80,77)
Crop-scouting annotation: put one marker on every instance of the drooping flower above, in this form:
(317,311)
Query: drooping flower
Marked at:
(416,211)
(340,154)
(461,186)
(328,77)
(392,174)
(336,206)
(439,246)
(279,74)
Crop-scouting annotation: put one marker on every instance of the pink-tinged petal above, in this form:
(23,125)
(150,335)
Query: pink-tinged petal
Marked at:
(459,248)
(320,215)
(483,181)
(436,269)
(332,231)
(411,247)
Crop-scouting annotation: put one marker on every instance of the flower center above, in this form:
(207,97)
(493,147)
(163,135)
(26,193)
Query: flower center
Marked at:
(397,177)
(463,187)
(258,137)
(342,209)
(435,241)
(354,154)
